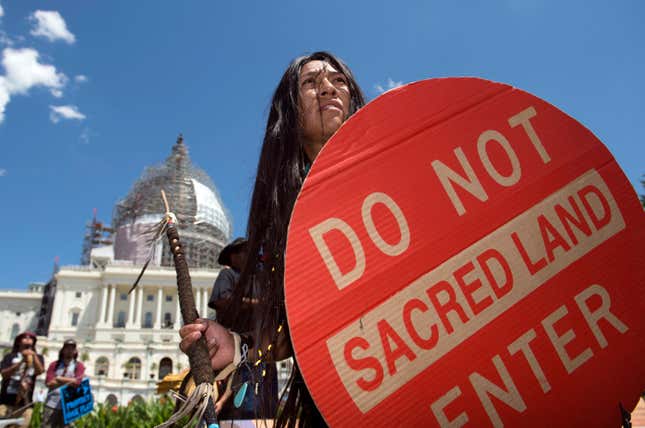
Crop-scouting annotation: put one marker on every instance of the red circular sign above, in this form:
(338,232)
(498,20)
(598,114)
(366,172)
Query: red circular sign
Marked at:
(465,254)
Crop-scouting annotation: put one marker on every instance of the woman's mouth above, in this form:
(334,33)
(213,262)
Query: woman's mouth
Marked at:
(331,105)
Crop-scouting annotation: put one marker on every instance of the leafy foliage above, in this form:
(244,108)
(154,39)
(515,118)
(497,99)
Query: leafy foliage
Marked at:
(137,414)
(36,416)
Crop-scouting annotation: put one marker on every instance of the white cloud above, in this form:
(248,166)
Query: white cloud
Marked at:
(4,98)
(23,72)
(391,84)
(1,11)
(81,78)
(86,136)
(65,112)
(51,25)
(3,172)
(4,39)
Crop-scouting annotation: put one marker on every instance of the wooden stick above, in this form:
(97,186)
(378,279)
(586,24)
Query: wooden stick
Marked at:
(200,363)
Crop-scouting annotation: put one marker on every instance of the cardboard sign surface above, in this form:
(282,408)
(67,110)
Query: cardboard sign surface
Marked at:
(76,401)
(465,254)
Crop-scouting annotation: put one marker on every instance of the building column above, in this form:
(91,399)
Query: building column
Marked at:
(177,314)
(104,304)
(130,322)
(145,365)
(61,307)
(57,307)
(110,313)
(204,303)
(159,300)
(138,319)
(197,292)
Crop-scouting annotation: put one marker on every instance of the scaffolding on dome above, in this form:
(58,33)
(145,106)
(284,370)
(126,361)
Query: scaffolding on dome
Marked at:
(97,234)
(204,222)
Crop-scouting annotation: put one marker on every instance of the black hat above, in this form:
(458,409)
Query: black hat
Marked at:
(69,343)
(237,245)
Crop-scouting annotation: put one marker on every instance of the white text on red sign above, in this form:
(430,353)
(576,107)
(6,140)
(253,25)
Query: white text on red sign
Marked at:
(467,180)
(407,333)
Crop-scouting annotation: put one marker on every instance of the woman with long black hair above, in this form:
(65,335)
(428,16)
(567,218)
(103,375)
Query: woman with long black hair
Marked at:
(19,369)
(315,95)
(67,370)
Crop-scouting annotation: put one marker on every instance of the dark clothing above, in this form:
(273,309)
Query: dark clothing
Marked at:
(223,287)
(11,384)
(253,404)
(52,418)
(222,292)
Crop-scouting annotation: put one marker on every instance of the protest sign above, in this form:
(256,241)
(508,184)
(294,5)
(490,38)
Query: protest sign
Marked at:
(76,401)
(465,254)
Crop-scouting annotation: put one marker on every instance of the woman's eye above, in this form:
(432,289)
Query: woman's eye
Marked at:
(341,79)
(307,81)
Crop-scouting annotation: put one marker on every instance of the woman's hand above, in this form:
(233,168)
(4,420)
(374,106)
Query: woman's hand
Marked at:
(218,407)
(219,341)
(62,380)
(26,352)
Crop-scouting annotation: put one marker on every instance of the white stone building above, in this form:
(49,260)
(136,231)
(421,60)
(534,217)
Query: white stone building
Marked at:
(127,342)
(18,311)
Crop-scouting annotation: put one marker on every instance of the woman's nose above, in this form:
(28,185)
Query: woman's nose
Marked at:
(326,87)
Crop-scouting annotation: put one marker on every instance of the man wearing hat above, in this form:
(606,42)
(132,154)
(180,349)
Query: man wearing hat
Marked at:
(19,369)
(232,258)
(65,371)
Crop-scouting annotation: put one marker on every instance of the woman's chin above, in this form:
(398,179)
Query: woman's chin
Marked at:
(332,125)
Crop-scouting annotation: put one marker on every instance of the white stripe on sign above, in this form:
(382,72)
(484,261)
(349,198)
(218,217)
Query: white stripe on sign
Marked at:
(395,341)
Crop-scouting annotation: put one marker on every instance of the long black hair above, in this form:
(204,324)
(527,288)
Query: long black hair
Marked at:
(281,170)
(16,341)
(61,361)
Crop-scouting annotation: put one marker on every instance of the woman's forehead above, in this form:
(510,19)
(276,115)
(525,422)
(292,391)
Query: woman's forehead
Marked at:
(317,67)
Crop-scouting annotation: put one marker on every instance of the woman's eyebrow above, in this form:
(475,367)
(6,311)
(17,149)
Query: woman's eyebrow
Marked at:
(316,73)
(313,73)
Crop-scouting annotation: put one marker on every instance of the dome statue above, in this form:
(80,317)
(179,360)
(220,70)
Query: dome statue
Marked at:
(204,224)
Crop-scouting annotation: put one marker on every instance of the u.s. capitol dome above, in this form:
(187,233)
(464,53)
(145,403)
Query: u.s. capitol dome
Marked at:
(204,224)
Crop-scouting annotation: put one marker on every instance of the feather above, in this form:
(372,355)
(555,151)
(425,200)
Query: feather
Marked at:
(155,233)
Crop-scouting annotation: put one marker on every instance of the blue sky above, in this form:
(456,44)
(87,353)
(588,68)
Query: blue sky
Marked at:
(92,92)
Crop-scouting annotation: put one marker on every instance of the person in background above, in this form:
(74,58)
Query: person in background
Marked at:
(232,257)
(19,370)
(65,371)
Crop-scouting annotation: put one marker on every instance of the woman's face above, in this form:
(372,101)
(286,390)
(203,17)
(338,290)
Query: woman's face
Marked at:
(26,342)
(323,101)
(68,351)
